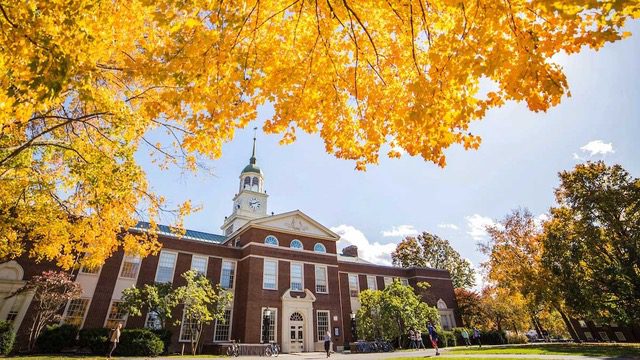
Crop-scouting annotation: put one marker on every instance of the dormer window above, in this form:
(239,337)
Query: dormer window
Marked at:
(318,247)
(296,244)
(271,240)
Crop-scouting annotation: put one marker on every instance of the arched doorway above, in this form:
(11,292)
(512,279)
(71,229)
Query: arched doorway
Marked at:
(296,332)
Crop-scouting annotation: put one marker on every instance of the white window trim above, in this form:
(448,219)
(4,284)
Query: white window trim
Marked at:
(375,282)
(182,328)
(323,247)
(301,275)
(146,320)
(265,241)
(318,324)
(326,278)
(275,323)
(235,273)
(97,273)
(297,241)
(388,280)
(135,278)
(206,262)
(106,319)
(84,317)
(173,270)
(276,274)
(215,326)
(357,283)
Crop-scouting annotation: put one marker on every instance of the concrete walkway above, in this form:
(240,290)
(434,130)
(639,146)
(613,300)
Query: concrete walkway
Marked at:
(426,354)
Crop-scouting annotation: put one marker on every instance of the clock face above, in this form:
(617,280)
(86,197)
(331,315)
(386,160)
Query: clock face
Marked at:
(254,204)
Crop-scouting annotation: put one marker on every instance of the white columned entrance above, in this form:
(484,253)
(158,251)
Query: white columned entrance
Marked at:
(297,322)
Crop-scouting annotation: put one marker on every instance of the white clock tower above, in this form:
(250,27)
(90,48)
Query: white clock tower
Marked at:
(251,200)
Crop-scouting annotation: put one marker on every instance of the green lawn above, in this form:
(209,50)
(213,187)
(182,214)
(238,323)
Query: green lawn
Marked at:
(628,350)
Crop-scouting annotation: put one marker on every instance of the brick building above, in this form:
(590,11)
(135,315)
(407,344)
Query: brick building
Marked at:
(288,280)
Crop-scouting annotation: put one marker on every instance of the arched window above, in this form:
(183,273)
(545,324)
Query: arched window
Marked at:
(296,316)
(247,183)
(441,304)
(255,184)
(271,240)
(319,248)
(296,244)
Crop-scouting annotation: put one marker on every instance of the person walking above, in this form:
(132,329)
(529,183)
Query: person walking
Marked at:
(419,343)
(433,336)
(114,338)
(412,339)
(465,337)
(476,336)
(327,343)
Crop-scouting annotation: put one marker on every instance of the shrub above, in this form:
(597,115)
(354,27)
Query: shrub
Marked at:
(516,338)
(7,337)
(493,337)
(457,333)
(139,342)
(57,337)
(447,339)
(165,336)
(97,340)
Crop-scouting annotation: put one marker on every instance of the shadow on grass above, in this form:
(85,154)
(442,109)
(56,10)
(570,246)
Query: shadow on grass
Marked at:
(601,350)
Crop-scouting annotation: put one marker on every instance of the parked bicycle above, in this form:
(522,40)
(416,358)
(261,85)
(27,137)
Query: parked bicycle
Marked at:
(273,349)
(233,349)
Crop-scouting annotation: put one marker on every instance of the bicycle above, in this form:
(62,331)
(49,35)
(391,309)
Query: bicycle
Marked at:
(272,349)
(233,349)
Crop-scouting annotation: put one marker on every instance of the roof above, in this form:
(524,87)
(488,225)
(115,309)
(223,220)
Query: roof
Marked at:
(252,168)
(353,259)
(188,235)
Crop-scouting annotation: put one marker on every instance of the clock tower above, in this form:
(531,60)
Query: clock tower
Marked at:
(251,200)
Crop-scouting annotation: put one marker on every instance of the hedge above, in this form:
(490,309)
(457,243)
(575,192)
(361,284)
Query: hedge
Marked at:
(165,336)
(96,340)
(56,337)
(139,342)
(7,337)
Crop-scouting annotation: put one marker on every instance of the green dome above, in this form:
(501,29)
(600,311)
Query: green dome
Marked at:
(252,168)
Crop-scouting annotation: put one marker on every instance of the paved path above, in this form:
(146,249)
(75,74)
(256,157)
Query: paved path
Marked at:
(426,354)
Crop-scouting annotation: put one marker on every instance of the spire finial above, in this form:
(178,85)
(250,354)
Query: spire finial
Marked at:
(253,153)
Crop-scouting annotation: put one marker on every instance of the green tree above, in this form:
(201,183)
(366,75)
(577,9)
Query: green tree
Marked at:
(389,313)
(159,299)
(592,242)
(428,250)
(203,303)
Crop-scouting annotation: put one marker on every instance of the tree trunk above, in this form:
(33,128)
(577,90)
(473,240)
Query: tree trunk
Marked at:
(567,322)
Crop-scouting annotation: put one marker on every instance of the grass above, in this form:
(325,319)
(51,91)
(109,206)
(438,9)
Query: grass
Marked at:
(444,357)
(628,350)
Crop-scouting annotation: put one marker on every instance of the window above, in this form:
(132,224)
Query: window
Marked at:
(185,328)
(268,319)
(153,321)
(199,264)
(404,282)
(89,270)
(321,279)
(296,244)
(371,283)
(228,274)
(354,289)
(322,322)
(166,264)
(255,184)
(15,309)
(613,324)
(130,267)
(115,316)
(387,281)
(319,248)
(222,330)
(76,310)
(588,335)
(296,277)
(620,336)
(271,240)
(582,323)
(270,275)
(440,304)
(603,336)
(247,183)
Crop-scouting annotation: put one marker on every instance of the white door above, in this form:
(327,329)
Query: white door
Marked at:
(296,332)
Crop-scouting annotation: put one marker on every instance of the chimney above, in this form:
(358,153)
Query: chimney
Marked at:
(351,251)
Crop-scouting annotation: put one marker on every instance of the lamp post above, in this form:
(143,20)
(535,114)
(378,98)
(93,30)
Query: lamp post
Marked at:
(354,329)
(266,323)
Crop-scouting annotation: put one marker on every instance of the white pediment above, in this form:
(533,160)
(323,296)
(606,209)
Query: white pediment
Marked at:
(296,222)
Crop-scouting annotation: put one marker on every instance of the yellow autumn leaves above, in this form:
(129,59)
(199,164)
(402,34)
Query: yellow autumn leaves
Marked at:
(84,82)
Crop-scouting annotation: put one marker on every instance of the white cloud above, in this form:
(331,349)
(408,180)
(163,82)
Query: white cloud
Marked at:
(400,230)
(597,147)
(477,226)
(376,252)
(578,157)
(540,219)
(449,226)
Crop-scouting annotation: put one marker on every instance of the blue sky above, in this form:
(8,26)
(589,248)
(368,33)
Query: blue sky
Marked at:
(516,166)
